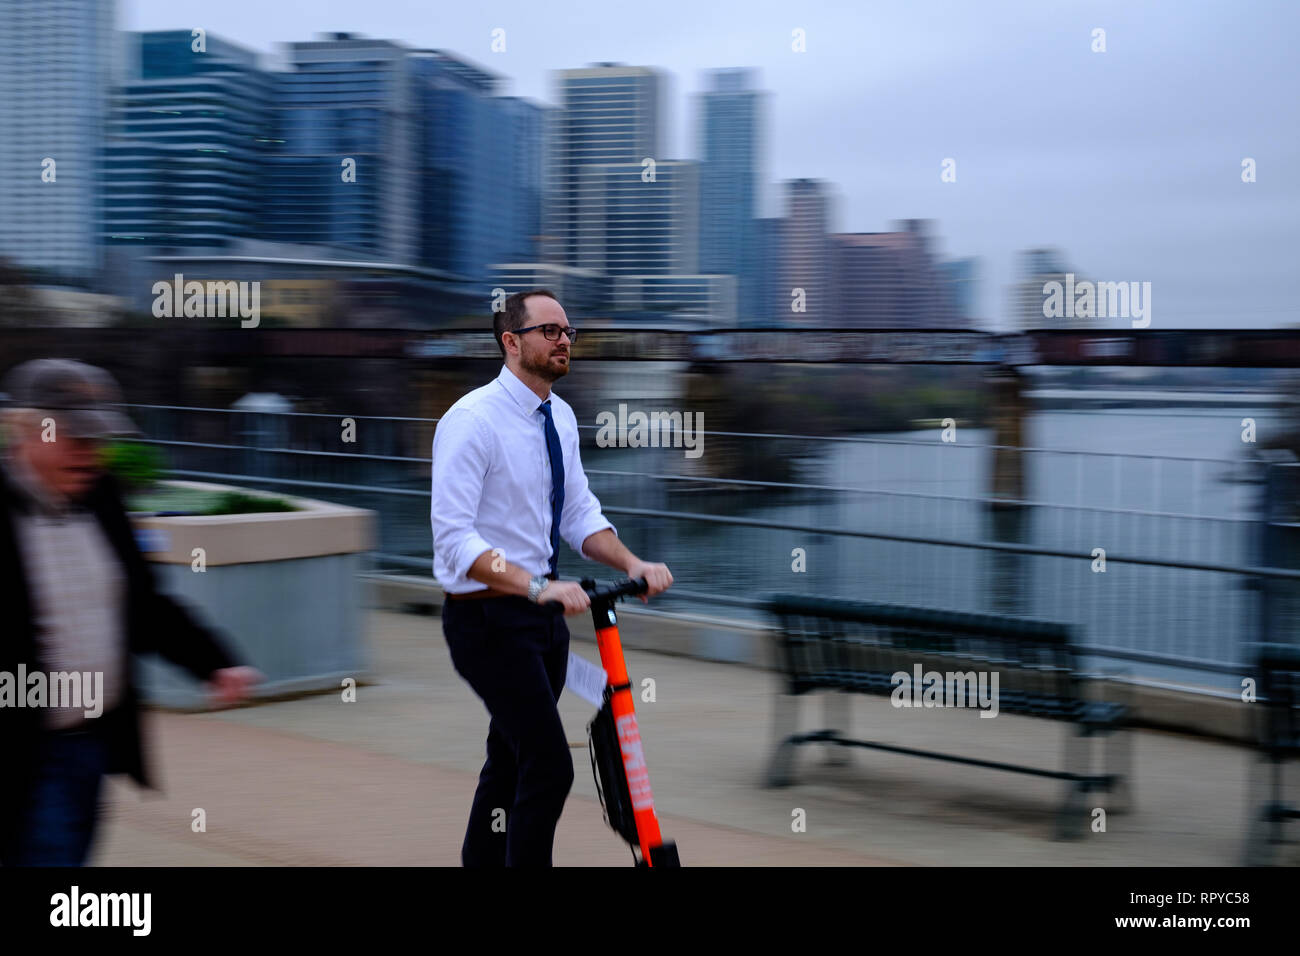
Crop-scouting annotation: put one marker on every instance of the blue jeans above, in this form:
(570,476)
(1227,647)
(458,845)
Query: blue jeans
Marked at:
(59,824)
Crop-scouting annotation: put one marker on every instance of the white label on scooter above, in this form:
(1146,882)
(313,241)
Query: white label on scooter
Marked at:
(586,679)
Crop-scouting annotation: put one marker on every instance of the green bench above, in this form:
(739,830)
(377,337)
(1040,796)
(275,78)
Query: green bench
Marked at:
(849,647)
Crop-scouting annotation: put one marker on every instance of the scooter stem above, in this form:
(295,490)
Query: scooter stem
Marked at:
(629,735)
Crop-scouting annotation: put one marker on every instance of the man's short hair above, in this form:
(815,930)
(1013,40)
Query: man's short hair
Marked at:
(514,315)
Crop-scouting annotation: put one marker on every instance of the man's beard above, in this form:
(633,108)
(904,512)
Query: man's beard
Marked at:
(543,368)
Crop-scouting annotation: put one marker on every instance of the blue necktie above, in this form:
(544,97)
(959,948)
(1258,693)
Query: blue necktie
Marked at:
(557,481)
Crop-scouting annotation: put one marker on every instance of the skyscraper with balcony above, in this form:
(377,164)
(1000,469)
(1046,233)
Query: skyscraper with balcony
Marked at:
(57,65)
(729,152)
(187,137)
(609,114)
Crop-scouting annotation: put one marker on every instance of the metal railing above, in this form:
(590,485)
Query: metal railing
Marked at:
(1198,560)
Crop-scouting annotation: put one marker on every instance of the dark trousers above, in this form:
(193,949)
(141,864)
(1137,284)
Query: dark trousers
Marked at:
(514,654)
(57,826)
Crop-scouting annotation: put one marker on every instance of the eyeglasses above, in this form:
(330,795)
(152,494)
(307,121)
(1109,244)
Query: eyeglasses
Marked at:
(551,331)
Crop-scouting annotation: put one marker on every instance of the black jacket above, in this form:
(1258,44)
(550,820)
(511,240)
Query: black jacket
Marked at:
(154,624)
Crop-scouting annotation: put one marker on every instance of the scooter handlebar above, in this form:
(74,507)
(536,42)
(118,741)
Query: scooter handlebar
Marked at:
(613,592)
(619,589)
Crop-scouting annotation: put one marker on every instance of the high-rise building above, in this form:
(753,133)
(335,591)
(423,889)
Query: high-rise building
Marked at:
(641,229)
(480,161)
(618,208)
(889,280)
(57,67)
(447,174)
(452,129)
(608,113)
(344,170)
(628,225)
(961,276)
(772,301)
(523,124)
(806,253)
(189,129)
(394,171)
(729,152)
(1039,268)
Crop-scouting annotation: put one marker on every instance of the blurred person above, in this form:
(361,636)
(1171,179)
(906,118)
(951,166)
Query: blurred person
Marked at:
(76,596)
(507,485)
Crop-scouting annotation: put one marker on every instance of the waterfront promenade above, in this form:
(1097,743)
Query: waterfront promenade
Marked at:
(387,780)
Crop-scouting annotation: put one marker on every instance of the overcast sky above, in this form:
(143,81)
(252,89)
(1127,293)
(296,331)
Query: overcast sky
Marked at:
(1129,160)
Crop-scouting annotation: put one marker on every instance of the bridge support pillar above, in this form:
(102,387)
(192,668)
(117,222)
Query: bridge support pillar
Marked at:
(1009,519)
(1009,412)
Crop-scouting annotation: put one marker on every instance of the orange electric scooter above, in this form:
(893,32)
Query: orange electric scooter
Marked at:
(617,760)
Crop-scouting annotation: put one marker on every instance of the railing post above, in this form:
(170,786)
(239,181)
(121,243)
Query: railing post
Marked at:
(1278,528)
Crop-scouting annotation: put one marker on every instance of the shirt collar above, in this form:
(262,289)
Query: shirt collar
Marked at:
(35,496)
(523,396)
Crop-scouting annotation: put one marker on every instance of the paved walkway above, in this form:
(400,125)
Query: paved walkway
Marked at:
(387,780)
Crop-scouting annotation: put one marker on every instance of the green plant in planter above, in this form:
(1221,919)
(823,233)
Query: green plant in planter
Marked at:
(137,466)
(239,503)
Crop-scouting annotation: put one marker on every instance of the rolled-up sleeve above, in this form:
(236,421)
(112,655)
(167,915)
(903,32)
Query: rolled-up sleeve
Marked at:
(582,516)
(460,464)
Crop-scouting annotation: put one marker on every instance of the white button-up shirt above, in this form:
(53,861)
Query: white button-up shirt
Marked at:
(492,483)
(78,591)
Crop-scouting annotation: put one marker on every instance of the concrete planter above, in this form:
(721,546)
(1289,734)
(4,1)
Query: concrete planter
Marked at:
(284,588)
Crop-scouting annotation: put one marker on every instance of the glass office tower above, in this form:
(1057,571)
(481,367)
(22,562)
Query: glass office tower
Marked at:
(609,113)
(345,98)
(729,144)
(480,162)
(187,140)
(57,63)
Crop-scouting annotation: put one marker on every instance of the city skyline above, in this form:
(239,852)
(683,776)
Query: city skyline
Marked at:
(1129,160)
(221,162)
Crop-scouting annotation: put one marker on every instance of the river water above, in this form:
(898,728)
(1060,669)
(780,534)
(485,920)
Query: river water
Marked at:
(1168,484)
(1152,483)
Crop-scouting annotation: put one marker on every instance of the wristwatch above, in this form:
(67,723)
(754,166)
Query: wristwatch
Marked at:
(536,586)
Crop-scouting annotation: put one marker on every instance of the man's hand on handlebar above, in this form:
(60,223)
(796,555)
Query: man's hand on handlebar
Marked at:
(657,576)
(568,593)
